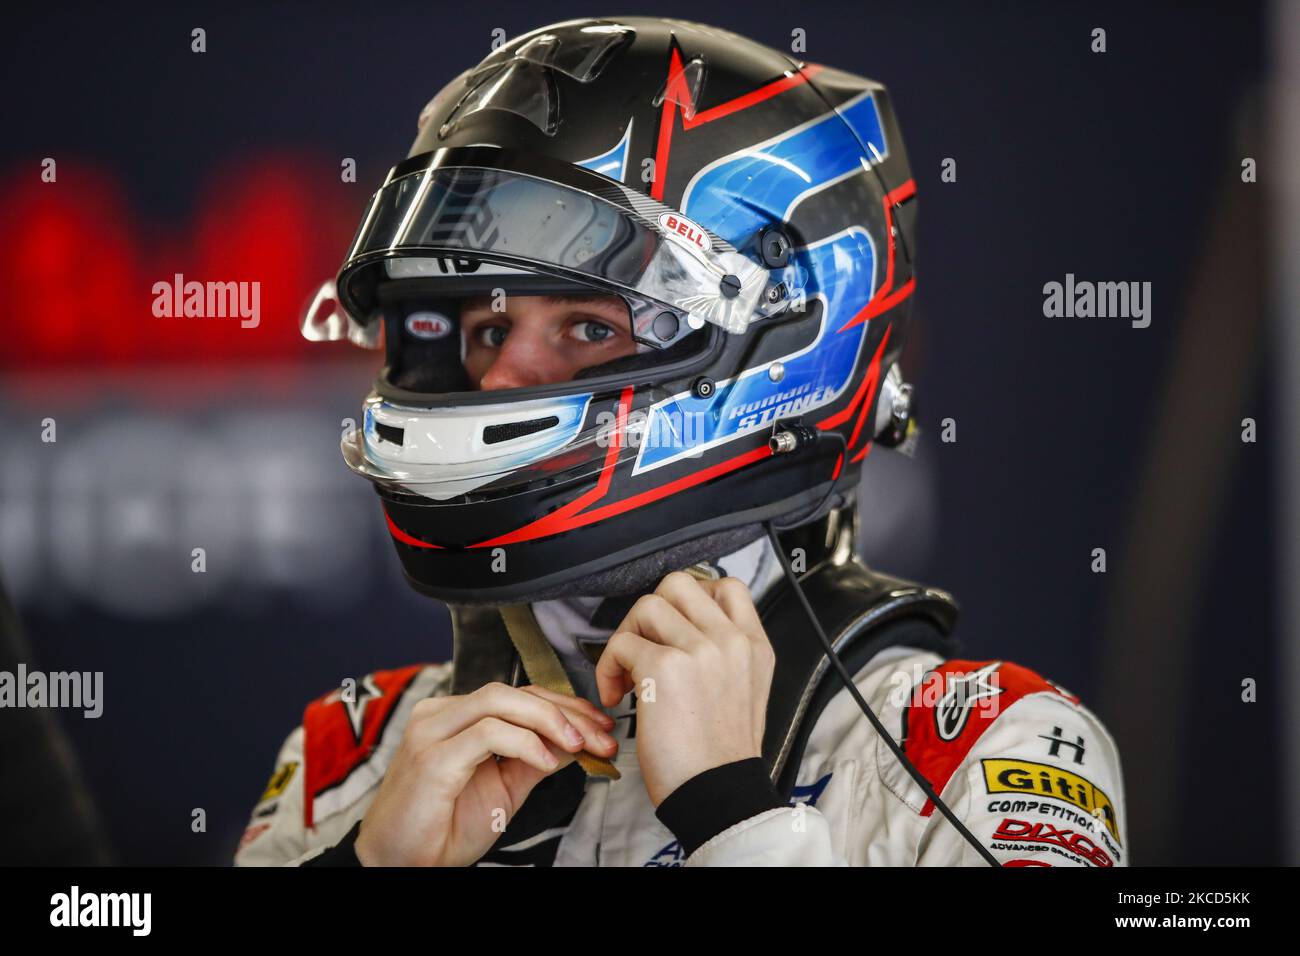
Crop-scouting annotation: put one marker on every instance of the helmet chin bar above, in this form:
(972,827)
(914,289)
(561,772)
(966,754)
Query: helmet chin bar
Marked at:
(440,454)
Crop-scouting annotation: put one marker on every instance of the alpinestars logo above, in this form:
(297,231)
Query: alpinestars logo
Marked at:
(964,692)
(356,709)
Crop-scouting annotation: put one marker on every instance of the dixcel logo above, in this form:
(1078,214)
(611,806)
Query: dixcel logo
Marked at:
(1025,831)
(428,325)
(684,232)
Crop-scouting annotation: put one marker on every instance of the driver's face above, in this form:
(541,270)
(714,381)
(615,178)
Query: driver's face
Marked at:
(542,339)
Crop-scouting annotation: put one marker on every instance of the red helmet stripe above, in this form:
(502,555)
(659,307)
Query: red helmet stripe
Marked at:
(751,99)
(677,91)
(886,297)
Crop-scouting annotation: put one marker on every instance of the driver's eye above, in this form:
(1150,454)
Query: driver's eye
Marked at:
(492,336)
(593,331)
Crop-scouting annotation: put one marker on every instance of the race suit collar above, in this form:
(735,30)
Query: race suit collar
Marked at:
(578,627)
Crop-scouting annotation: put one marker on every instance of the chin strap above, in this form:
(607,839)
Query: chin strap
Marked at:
(544,669)
(610,612)
(847,678)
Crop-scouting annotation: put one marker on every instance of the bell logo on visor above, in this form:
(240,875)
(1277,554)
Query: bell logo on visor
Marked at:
(428,325)
(684,232)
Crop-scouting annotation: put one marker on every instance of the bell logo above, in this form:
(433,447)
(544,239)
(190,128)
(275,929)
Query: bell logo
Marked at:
(684,232)
(428,325)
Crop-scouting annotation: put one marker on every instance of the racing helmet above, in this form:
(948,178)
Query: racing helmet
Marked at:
(754,213)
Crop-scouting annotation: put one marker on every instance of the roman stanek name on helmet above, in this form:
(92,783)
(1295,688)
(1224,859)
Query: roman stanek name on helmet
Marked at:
(794,401)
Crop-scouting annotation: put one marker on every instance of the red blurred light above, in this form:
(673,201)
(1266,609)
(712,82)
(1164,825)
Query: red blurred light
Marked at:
(78,264)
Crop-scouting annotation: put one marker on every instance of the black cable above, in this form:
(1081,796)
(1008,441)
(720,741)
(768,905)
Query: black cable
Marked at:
(847,678)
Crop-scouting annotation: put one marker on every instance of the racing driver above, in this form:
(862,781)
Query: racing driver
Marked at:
(642,288)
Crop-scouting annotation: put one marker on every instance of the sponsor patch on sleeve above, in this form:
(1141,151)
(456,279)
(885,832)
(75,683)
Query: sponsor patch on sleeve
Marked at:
(279,781)
(1027,777)
(954,705)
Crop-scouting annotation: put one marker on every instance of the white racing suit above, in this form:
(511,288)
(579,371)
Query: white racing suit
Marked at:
(1030,771)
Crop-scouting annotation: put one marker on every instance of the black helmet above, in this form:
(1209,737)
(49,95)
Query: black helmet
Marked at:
(756,215)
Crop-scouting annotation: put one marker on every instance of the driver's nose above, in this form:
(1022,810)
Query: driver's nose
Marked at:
(523,360)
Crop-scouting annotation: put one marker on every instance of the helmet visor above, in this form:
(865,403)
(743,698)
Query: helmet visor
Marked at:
(592,230)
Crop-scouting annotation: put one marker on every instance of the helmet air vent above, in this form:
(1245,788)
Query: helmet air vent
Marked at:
(499,433)
(390,433)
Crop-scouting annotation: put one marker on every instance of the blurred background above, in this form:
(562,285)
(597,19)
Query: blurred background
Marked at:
(1072,434)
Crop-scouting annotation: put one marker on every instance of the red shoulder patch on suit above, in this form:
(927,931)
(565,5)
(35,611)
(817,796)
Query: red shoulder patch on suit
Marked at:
(952,707)
(339,736)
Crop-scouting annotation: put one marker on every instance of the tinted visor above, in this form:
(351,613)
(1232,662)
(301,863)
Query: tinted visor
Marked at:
(589,229)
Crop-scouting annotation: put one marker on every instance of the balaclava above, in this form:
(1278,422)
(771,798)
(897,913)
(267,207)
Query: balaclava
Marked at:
(578,627)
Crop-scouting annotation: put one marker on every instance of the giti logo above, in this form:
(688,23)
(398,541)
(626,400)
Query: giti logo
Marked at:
(1025,776)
